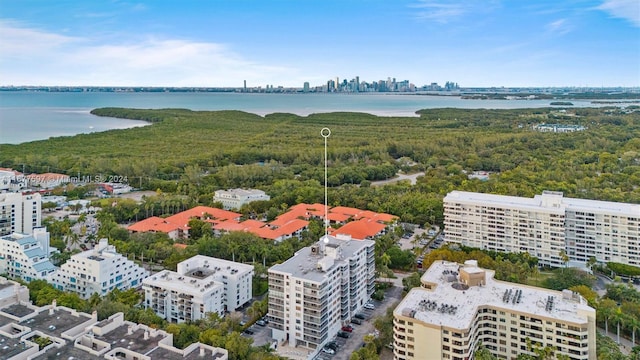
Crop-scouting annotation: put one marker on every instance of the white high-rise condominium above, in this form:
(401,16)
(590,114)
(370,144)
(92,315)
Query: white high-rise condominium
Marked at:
(19,213)
(319,289)
(545,226)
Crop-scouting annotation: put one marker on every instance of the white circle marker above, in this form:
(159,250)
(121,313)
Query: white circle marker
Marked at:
(325,133)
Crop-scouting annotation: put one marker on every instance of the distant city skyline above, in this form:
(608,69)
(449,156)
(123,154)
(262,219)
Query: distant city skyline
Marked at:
(585,43)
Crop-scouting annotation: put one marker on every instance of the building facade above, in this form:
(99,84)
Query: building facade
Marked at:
(19,213)
(76,335)
(201,285)
(234,199)
(319,289)
(26,256)
(459,308)
(99,270)
(544,226)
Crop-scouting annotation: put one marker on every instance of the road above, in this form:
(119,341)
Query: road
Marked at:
(413,178)
(391,298)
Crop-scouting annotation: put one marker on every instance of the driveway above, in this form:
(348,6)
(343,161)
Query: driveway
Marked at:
(392,296)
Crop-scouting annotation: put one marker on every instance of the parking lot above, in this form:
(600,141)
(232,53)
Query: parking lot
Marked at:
(356,338)
(261,335)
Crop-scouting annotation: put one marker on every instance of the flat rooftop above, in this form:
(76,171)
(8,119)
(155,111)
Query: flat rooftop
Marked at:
(57,323)
(304,263)
(597,206)
(119,337)
(183,284)
(211,266)
(68,352)
(5,285)
(164,354)
(18,310)
(10,347)
(455,306)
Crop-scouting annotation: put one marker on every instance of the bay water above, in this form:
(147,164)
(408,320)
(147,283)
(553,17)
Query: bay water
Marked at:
(28,116)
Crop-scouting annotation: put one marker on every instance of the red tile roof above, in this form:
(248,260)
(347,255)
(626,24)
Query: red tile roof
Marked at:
(361,229)
(215,215)
(366,224)
(155,223)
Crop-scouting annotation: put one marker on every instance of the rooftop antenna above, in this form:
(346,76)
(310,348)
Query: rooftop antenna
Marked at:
(325,132)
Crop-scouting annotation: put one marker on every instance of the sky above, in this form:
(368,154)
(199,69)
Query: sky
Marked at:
(221,43)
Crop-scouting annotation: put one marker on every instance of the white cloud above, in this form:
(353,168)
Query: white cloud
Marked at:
(19,41)
(34,57)
(624,9)
(560,26)
(447,11)
(441,12)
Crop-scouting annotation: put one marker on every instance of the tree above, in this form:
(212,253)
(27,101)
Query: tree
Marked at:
(564,257)
(606,308)
(634,324)
(592,261)
(238,347)
(619,319)
(484,354)
(586,292)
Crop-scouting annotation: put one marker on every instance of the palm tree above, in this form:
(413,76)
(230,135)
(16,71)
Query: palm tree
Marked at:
(634,324)
(619,318)
(74,239)
(564,257)
(606,309)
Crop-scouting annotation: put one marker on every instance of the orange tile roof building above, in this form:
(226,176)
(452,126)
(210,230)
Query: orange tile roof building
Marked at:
(360,224)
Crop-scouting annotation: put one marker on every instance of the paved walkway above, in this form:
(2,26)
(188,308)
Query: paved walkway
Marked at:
(625,344)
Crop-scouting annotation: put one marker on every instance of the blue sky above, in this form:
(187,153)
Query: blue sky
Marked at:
(279,42)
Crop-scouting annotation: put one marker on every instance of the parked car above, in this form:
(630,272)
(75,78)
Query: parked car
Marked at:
(332,345)
(360,316)
(248,332)
(261,322)
(329,351)
(369,306)
(343,334)
(356,321)
(347,328)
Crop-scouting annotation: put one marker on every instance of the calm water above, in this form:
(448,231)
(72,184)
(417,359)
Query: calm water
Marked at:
(28,116)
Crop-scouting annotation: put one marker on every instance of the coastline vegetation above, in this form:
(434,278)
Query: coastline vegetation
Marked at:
(184,156)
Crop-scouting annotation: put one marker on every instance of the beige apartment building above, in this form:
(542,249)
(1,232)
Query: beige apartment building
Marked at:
(458,308)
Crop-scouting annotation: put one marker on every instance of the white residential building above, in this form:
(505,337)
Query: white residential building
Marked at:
(544,226)
(78,335)
(11,180)
(99,270)
(458,307)
(319,289)
(26,256)
(201,285)
(234,199)
(19,213)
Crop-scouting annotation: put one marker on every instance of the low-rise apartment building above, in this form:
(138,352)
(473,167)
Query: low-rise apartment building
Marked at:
(233,199)
(544,226)
(201,285)
(458,308)
(26,256)
(319,289)
(99,270)
(70,334)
